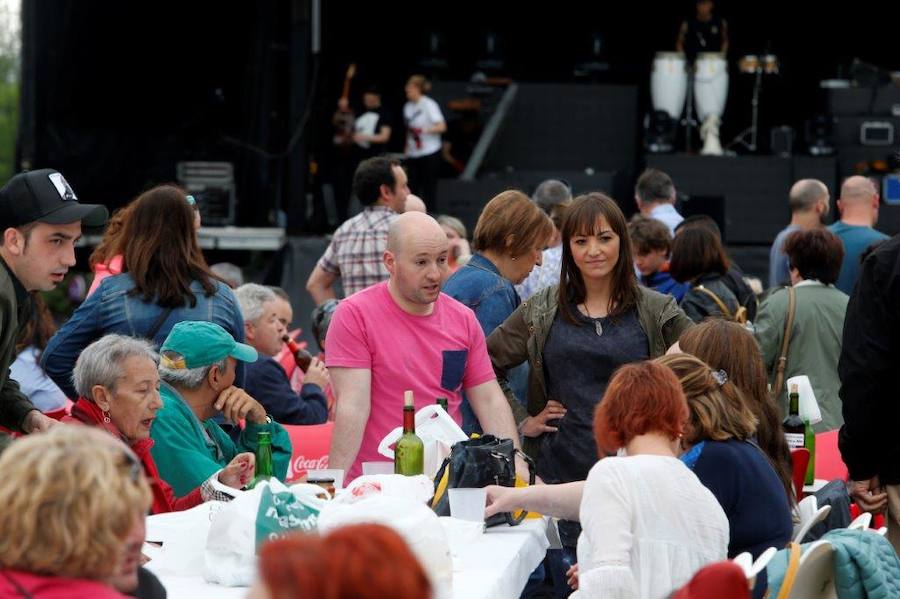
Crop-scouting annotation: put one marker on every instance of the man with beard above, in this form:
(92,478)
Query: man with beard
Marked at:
(809,202)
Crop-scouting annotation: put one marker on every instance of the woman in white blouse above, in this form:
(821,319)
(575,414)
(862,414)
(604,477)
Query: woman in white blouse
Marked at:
(648,524)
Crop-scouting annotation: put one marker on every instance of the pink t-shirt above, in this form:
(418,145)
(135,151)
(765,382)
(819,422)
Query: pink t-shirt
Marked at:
(436,355)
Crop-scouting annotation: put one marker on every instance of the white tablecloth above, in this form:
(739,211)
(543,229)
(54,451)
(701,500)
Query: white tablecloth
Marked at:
(496,566)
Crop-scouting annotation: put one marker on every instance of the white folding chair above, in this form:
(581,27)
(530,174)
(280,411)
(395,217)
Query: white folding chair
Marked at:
(861,522)
(809,517)
(763,560)
(745,561)
(815,575)
(882,531)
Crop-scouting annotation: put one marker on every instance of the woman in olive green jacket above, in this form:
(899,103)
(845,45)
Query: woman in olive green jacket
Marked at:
(574,336)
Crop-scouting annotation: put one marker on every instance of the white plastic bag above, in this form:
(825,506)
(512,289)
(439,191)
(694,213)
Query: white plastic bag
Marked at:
(438,432)
(809,407)
(267,512)
(183,537)
(415,488)
(416,523)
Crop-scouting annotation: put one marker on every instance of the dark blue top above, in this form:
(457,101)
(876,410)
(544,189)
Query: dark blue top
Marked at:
(268,383)
(750,493)
(664,283)
(480,286)
(578,364)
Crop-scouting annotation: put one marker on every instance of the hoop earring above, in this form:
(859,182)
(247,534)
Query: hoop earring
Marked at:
(106,419)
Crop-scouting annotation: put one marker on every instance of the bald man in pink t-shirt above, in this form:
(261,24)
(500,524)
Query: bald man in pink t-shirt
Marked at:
(404,334)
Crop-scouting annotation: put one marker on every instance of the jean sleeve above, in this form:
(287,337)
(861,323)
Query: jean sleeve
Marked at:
(58,359)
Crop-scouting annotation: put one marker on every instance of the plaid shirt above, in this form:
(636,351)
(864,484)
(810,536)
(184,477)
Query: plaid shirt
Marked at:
(356,249)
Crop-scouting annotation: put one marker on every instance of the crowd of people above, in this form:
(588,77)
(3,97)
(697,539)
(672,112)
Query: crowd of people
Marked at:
(630,360)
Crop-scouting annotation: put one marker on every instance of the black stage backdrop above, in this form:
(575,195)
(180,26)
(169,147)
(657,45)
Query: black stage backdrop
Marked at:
(115,93)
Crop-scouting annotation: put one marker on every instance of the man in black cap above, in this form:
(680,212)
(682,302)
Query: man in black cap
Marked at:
(40,221)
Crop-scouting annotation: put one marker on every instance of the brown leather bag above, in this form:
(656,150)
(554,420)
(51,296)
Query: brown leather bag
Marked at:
(785,343)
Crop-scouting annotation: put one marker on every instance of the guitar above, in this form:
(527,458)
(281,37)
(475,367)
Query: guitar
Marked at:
(344,118)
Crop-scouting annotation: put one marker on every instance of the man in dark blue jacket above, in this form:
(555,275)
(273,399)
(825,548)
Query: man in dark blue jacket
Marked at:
(266,380)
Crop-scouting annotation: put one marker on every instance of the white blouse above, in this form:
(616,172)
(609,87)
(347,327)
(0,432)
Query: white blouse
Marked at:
(648,524)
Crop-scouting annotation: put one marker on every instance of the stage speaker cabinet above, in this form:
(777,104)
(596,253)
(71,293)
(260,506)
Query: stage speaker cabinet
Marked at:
(781,141)
(876,133)
(212,185)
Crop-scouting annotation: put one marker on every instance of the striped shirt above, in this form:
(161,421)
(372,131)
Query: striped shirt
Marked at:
(357,247)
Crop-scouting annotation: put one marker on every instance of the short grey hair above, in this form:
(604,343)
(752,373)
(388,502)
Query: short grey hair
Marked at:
(805,194)
(655,186)
(550,194)
(252,298)
(231,273)
(189,378)
(100,363)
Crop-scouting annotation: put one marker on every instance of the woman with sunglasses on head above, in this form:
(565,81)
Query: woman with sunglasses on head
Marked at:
(574,335)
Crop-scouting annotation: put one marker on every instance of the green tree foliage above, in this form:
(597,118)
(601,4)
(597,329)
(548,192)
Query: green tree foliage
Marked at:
(10,44)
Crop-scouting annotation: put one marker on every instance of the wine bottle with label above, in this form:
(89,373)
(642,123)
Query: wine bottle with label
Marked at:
(409,452)
(793,425)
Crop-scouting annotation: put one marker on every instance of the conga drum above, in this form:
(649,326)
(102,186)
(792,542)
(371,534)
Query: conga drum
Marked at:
(668,83)
(710,84)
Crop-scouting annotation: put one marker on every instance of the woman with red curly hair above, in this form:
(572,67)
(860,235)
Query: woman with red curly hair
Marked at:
(648,524)
(363,561)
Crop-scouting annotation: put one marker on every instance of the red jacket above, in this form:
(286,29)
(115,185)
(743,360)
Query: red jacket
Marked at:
(87,412)
(14,582)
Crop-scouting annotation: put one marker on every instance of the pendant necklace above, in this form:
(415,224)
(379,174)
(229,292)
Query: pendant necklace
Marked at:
(597,326)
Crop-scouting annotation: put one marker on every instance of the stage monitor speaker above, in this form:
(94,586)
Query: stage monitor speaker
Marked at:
(781,141)
(876,133)
(711,206)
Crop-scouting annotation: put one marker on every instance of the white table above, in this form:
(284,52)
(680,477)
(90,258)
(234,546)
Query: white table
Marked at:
(496,566)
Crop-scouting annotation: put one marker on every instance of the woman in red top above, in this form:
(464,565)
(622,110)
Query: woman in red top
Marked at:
(118,386)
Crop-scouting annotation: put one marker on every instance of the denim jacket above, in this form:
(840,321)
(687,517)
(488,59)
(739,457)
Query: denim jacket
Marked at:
(111,310)
(480,286)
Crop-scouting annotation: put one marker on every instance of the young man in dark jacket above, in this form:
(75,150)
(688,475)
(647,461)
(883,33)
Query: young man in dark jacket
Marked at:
(41,220)
(869,356)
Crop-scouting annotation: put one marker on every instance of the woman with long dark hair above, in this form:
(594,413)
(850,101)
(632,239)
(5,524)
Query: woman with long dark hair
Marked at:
(575,335)
(166,280)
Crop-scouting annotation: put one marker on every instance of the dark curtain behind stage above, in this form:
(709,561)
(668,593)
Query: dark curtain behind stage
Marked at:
(116,93)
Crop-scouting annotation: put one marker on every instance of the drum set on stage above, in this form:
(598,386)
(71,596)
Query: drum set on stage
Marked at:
(677,86)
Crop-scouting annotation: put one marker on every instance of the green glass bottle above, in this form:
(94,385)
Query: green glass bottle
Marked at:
(442,401)
(809,441)
(409,452)
(793,426)
(264,466)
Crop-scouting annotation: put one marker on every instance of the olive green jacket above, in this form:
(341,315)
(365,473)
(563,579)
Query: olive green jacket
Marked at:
(13,304)
(523,335)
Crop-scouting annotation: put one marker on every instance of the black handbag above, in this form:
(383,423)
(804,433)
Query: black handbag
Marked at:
(476,463)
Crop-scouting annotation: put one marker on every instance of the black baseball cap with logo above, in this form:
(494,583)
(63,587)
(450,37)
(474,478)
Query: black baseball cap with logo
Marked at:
(45,196)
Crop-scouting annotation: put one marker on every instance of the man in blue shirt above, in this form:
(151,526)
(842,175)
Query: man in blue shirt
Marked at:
(266,380)
(858,206)
(809,201)
(655,197)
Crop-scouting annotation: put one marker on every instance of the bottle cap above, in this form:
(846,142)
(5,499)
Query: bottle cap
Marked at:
(794,388)
(408,399)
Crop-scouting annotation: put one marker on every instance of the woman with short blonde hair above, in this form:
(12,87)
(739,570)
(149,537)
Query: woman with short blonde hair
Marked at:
(71,497)
(509,240)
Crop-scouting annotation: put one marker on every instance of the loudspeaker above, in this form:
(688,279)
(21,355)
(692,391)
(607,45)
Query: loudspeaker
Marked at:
(782,141)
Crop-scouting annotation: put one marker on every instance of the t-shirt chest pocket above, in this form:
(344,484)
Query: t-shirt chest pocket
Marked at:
(453,368)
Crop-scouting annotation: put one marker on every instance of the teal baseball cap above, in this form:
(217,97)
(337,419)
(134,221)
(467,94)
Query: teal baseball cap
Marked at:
(192,344)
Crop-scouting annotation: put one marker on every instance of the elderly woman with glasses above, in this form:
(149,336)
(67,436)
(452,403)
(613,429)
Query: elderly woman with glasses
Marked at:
(118,386)
(72,524)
